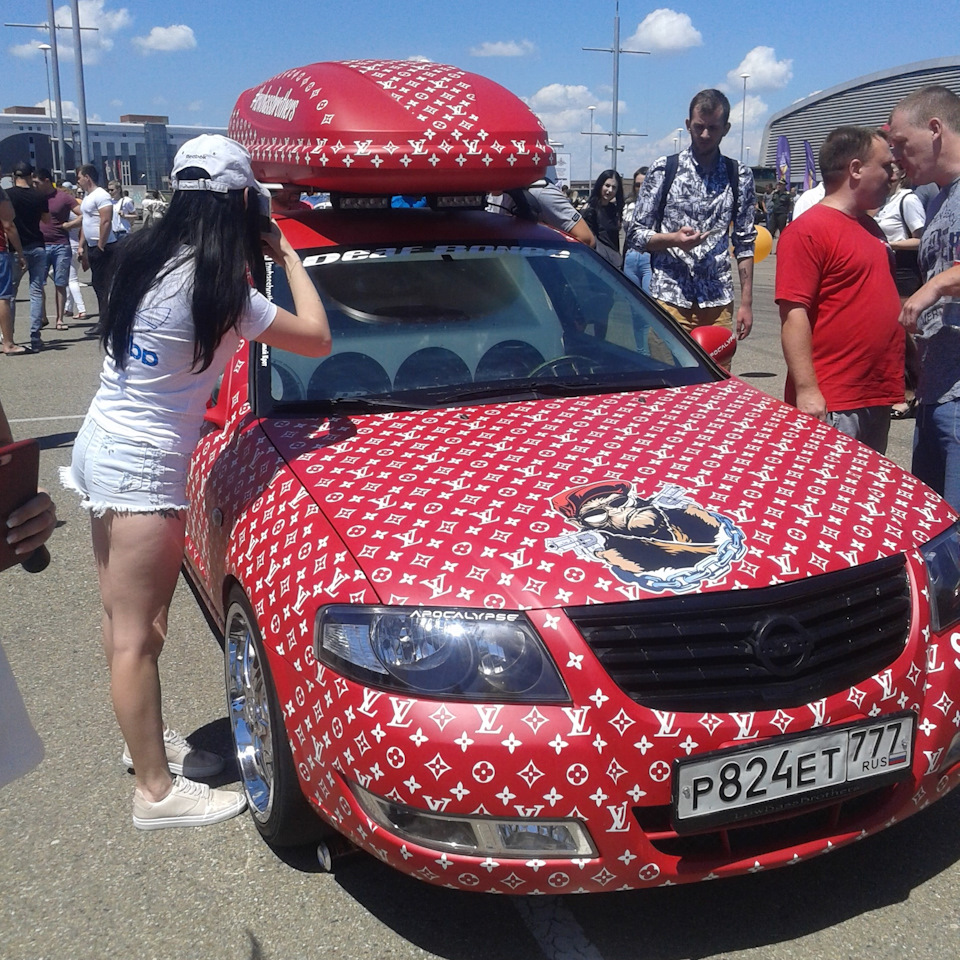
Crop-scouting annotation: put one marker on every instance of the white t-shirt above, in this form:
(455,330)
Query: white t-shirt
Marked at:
(808,198)
(123,209)
(158,396)
(890,221)
(90,207)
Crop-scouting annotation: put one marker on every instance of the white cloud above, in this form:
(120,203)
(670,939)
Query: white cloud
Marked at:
(562,109)
(503,48)
(93,13)
(418,58)
(70,110)
(561,96)
(765,70)
(26,50)
(195,106)
(177,36)
(665,31)
(751,121)
(751,114)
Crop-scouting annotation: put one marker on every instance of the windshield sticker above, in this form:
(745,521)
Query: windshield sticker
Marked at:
(436,252)
(664,542)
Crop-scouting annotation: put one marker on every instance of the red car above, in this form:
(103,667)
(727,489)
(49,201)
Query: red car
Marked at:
(519,591)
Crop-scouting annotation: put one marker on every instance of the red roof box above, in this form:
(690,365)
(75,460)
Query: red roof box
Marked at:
(389,126)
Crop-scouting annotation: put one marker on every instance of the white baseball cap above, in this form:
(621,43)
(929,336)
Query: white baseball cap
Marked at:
(227,164)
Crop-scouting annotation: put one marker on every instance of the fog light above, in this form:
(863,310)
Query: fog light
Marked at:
(479,836)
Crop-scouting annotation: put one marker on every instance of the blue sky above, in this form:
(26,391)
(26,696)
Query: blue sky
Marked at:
(190,61)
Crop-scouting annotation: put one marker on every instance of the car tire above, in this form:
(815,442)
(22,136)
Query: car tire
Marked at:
(280,811)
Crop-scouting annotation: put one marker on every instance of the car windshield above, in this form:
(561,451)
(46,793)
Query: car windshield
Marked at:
(445,324)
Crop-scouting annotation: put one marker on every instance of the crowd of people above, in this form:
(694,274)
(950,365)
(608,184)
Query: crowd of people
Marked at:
(47,232)
(867,292)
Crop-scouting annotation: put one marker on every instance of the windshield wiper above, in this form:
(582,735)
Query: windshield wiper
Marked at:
(536,387)
(377,403)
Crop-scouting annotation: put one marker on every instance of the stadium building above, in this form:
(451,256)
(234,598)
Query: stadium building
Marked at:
(866,101)
(138,151)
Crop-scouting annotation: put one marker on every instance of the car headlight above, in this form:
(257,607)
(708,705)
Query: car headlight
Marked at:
(448,652)
(942,557)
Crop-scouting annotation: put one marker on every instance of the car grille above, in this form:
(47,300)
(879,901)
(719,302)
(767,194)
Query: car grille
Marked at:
(779,646)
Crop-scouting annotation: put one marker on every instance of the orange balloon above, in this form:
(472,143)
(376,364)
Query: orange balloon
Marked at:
(763,245)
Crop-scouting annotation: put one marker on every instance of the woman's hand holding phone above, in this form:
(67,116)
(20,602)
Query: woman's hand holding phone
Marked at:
(27,515)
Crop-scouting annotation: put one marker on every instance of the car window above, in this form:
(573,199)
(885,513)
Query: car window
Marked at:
(443,324)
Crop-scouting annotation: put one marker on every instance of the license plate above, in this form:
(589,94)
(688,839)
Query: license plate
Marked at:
(742,783)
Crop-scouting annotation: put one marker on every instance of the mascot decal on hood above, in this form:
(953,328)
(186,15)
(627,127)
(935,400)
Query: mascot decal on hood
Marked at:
(664,542)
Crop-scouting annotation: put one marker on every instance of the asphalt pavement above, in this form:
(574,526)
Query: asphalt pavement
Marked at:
(78,881)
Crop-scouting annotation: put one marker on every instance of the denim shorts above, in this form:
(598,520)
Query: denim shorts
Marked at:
(127,476)
(59,256)
(6,276)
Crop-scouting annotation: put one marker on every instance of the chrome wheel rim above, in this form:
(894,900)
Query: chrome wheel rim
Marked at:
(248,708)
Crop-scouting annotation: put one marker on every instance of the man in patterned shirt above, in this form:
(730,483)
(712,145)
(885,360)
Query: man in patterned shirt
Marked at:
(683,218)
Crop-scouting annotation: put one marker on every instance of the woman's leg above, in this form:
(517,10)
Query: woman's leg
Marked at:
(74,295)
(138,560)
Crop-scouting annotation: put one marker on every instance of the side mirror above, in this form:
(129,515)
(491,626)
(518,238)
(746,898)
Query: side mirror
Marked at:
(217,404)
(719,342)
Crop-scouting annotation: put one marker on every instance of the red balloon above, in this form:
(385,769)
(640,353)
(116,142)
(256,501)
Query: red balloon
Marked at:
(719,342)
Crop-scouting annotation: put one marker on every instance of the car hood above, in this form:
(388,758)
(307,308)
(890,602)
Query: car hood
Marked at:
(600,499)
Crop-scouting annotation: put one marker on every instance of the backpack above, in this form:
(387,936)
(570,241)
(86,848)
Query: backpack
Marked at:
(670,173)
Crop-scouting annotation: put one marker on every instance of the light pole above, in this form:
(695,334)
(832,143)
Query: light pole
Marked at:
(591,109)
(85,155)
(49,111)
(748,156)
(743,115)
(615,134)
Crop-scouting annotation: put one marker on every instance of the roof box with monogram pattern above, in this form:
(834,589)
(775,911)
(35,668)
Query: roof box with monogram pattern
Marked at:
(389,126)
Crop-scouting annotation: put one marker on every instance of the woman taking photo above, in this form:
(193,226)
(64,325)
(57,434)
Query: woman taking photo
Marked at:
(179,301)
(603,213)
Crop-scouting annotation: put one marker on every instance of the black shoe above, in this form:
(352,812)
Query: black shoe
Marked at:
(36,345)
(904,411)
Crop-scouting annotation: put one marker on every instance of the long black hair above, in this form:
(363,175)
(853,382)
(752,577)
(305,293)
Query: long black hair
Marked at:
(220,234)
(595,197)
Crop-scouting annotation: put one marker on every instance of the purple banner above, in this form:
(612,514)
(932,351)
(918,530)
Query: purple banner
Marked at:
(810,171)
(783,160)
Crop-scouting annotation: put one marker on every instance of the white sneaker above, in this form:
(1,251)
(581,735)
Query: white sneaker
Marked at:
(182,757)
(188,804)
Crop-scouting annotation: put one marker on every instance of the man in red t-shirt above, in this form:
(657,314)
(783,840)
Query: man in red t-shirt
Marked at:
(838,300)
